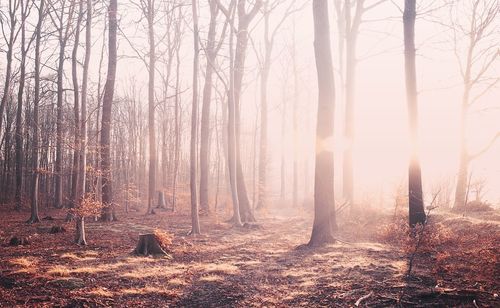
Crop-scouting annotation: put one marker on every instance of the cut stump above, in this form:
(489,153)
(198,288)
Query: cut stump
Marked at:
(149,245)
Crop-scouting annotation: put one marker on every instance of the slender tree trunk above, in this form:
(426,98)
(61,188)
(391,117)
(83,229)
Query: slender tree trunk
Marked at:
(205,111)
(19,112)
(59,129)
(151,107)
(464,160)
(295,106)
(177,121)
(76,110)
(195,223)
(81,189)
(350,39)
(8,71)
(262,186)
(283,162)
(416,203)
(231,138)
(36,132)
(107,193)
(63,35)
(324,205)
(264,76)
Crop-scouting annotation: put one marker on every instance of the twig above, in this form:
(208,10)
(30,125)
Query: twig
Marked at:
(362,298)
(421,233)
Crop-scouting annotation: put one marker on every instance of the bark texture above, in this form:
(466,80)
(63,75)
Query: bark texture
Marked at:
(324,206)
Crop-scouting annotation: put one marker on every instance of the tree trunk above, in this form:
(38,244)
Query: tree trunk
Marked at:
(177,123)
(231,133)
(264,76)
(295,187)
(416,203)
(283,162)
(107,192)
(195,223)
(324,206)
(76,110)
(205,111)
(151,106)
(464,159)
(8,71)
(347,168)
(81,189)
(239,68)
(19,111)
(36,132)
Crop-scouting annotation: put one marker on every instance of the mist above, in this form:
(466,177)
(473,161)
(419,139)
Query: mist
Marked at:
(249,152)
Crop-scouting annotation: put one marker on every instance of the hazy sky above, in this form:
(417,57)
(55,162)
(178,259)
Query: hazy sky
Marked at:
(381,146)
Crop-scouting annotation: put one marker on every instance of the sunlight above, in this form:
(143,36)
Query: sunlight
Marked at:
(249,153)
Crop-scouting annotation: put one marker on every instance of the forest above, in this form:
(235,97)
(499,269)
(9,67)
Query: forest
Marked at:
(249,153)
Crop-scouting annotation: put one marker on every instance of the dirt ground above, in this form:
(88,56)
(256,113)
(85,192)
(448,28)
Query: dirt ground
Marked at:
(236,267)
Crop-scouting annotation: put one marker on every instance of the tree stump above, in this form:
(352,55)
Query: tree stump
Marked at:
(57,229)
(16,241)
(149,245)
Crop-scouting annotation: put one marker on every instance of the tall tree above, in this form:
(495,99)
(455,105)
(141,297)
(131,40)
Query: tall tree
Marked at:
(481,55)
(231,136)
(13,34)
(415,197)
(107,103)
(349,19)
(211,50)
(25,11)
(149,12)
(237,72)
(195,223)
(324,205)
(76,109)
(35,120)
(265,61)
(177,112)
(80,238)
(61,17)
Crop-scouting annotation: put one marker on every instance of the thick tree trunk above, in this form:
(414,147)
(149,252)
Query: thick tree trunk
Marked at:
(195,223)
(324,206)
(416,203)
(107,193)
(239,62)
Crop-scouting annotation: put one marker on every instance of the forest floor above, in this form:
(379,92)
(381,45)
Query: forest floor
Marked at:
(240,267)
